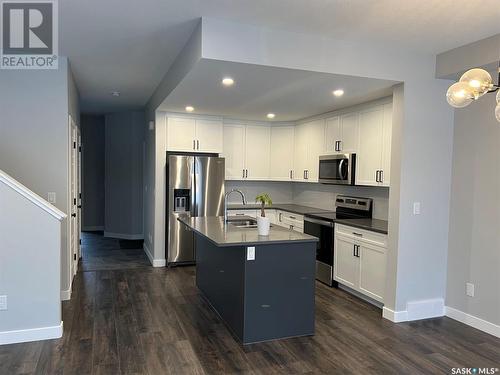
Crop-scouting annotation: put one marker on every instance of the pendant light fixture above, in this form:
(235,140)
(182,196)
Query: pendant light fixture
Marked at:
(473,84)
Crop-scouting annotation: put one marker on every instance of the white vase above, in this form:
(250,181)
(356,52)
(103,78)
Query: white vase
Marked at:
(263,225)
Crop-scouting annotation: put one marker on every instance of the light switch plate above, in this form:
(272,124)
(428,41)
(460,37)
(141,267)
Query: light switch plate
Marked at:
(251,253)
(3,302)
(469,289)
(51,197)
(416,208)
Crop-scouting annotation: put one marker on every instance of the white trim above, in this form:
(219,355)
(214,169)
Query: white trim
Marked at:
(32,334)
(124,236)
(473,321)
(425,309)
(394,316)
(65,295)
(31,196)
(154,262)
(93,228)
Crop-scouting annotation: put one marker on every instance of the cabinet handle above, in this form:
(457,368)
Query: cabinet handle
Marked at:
(381,174)
(197,144)
(304,174)
(291,227)
(357,251)
(194,144)
(340,145)
(357,234)
(246,173)
(376,176)
(336,145)
(243,174)
(353,250)
(280,216)
(291,176)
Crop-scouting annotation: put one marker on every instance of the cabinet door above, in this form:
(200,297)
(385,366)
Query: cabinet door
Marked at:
(300,152)
(282,143)
(372,263)
(350,132)
(258,148)
(345,264)
(315,148)
(271,214)
(369,156)
(209,135)
(333,134)
(181,134)
(234,151)
(386,146)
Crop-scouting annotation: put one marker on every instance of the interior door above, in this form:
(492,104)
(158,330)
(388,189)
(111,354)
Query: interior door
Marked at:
(79,193)
(345,265)
(368,158)
(73,222)
(234,151)
(209,136)
(258,152)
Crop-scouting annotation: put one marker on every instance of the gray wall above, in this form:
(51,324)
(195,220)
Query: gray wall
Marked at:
(280,192)
(474,239)
(92,130)
(124,134)
(34,135)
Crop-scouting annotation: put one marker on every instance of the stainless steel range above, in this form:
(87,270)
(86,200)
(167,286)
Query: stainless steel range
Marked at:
(322,225)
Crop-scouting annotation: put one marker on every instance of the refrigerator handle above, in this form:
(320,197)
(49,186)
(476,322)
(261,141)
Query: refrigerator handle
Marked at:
(193,187)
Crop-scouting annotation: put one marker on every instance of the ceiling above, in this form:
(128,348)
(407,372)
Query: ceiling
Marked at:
(258,90)
(129,45)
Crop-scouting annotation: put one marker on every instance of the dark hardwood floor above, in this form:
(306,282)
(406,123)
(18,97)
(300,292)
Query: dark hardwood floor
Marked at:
(143,320)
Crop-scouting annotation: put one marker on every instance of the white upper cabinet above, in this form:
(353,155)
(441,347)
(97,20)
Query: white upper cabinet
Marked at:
(181,134)
(373,156)
(209,135)
(342,133)
(309,145)
(234,151)
(194,135)
(281,160)
(257,152)
(247,149)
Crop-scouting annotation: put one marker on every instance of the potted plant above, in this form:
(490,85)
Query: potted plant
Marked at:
(263,222)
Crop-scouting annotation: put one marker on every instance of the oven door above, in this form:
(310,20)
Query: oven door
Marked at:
(337,169)
(324,247)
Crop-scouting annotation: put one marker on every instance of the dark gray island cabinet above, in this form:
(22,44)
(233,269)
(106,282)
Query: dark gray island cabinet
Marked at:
(261,287)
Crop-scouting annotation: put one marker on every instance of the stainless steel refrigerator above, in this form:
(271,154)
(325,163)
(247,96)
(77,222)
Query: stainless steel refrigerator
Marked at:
(195,188)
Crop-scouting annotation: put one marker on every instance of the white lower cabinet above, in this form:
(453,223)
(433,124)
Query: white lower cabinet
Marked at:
(290,220)
(360,260)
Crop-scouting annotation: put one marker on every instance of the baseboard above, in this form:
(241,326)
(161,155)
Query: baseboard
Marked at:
(65,295)
(154,262)
(473,321)
(123,236)
(93,228)
(425,309)
(33,334)
(394,316)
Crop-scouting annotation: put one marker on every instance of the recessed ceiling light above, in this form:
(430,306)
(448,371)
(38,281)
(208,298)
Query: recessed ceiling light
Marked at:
(115,93)
(189,108)
(271,115)
(338,92)
(228,81)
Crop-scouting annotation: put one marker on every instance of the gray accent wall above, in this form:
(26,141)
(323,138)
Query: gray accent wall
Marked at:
(34,136)
(124,158)
(474,238)
(92,130)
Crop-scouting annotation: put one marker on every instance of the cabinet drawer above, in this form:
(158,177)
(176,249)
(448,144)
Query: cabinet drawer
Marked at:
(251,213)
(362,235)
(288,219)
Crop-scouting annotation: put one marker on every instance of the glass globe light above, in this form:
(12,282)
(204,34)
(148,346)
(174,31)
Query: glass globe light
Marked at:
(497,112)
(479,80)
(459,95)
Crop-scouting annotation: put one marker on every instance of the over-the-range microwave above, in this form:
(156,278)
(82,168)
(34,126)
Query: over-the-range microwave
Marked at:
(338,169)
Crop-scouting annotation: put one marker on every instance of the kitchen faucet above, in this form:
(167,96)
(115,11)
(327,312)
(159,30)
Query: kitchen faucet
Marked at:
(243,199)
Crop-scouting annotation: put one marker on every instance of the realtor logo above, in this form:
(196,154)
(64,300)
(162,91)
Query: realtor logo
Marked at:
(28,34)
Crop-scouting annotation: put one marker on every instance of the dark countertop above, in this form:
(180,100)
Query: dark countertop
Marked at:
(374,225)
(213,228)
(295,208)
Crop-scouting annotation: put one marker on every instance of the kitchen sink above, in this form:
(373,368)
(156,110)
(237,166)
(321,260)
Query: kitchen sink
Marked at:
(245,223)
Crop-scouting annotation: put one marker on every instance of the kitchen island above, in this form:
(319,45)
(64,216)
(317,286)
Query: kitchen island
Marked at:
(261,286)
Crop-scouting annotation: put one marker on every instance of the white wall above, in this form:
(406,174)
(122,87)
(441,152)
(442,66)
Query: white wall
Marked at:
(30,261)
(474,240)
(422,145)
(92,130)
(34,136)
(123,214)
